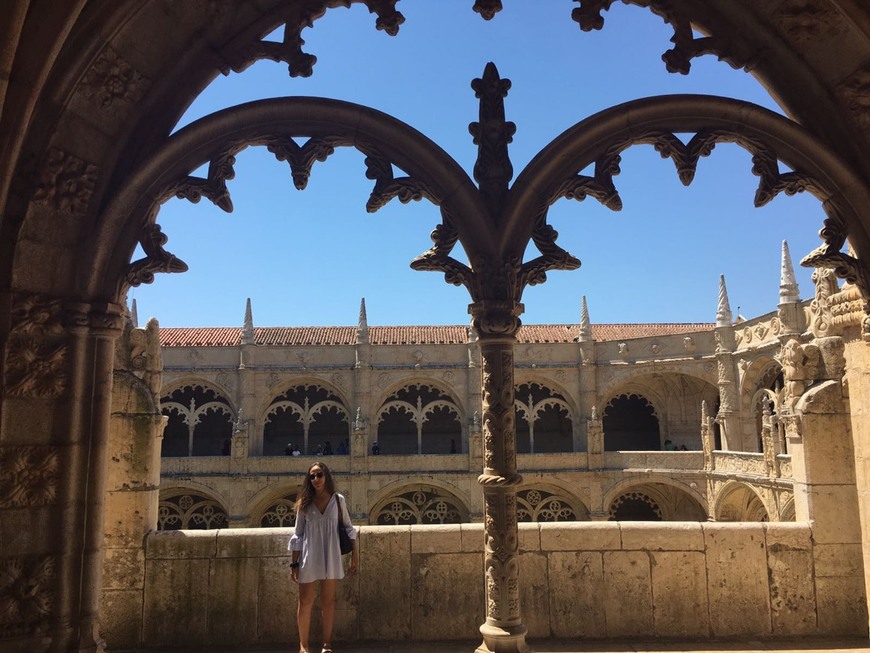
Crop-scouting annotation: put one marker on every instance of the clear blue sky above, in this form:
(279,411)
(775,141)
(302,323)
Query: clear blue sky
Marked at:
(306,258)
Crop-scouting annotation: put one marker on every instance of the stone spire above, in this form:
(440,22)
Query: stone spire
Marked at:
(788,288)
(248,328)
(723,312)
(362,329)
(585,328)
(134,314)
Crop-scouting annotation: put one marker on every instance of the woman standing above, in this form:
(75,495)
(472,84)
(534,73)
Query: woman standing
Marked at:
(316,552)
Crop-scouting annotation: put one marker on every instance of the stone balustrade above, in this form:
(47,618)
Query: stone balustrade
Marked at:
(577,580)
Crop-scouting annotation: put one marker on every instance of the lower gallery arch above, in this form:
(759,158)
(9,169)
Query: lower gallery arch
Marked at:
(738,501)
(654,501)
(419,504)
(547,503)
(631,424)
(184,508)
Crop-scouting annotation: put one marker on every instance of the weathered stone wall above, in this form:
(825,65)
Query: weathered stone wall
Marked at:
(577,580)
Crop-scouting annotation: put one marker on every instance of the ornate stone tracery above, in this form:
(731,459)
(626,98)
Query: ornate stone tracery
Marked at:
(421,505)
(182,511)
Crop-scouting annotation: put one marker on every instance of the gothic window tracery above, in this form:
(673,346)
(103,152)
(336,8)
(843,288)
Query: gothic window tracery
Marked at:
(179,510)
(308,416)
(539,505)
(420,505)
(631,424)
(280,514)
(543,418)
(200,422)
(419,419)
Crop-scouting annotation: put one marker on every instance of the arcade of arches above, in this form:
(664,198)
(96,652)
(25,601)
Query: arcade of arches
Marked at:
(774,413)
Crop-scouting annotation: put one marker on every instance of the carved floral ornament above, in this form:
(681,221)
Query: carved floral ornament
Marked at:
(112,80)
(28,476)
(27,595)
(37,349)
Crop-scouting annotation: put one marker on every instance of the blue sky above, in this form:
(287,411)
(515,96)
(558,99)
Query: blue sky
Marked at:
(306,258)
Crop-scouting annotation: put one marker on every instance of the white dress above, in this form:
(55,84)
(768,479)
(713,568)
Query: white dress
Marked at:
(316,538)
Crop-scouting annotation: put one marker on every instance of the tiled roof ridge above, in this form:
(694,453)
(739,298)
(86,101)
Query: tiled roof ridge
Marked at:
(412,334)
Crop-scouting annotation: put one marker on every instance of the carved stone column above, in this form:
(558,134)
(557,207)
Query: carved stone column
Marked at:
(497,323)
(133,481)
(92,332)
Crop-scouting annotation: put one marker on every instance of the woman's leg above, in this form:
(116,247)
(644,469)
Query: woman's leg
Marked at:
(327,607)
(303,613)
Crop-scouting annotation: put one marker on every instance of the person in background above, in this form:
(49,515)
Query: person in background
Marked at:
(316,556)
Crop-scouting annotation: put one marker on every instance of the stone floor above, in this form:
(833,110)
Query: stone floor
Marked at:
(563,646)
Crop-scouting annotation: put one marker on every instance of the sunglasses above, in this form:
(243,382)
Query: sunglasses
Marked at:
(314,475)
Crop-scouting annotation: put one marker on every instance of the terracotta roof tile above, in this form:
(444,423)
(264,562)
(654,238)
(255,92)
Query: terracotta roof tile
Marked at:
(410,335)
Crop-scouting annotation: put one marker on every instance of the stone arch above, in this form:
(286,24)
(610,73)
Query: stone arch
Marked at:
(665,499)
(762,380)
(419,417)
(787,509)
(549,503)
(676,395)
(53,49)
(418,503)
(188,507)
(308,414)
(545,418)
(737,501)
(770,138)
(274,507)
(200,419)
(630,423)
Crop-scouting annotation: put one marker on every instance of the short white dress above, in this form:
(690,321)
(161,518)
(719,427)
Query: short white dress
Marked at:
(316,538)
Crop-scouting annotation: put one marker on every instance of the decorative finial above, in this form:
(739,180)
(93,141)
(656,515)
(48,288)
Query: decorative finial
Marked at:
(487,8)
(585,328)
(493,169)
(134,314)
(362,329)
(248,328)
(723,312)
(788,288)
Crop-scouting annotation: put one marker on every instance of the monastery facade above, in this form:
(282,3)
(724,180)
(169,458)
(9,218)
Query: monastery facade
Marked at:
(614,421)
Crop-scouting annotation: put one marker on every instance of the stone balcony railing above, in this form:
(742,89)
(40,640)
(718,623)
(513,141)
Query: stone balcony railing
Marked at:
(689,461)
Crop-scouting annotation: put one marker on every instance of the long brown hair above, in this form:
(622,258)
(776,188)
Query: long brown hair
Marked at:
(307,495)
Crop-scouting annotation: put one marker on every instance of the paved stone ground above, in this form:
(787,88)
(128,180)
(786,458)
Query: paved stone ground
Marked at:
(564,646)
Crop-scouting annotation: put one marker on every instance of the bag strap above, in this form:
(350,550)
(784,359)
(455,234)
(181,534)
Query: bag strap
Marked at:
(340,510)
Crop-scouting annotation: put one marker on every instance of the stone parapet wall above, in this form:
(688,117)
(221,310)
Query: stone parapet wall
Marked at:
(577,580)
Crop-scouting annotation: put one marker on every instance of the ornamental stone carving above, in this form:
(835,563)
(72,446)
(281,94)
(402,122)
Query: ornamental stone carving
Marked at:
(825,282)
(66,183)
(36,352)
(27,595)
(111,81)
(806,20)
(28,476)
(855,89)
(800,367)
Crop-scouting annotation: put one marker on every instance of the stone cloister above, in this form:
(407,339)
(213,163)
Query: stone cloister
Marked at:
(90,92)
